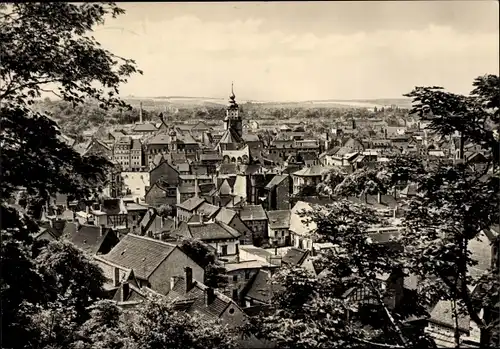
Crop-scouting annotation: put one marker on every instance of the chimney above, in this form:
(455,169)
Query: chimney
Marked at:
(161,223)
(196,194)
(188,275)
(74,216)
(87,209)
(201,217)
(395,192)
(140,112)
(137,200)
(51,222)
(116,277)
(235,295)
(209,296)
(101,229)
(379,198)
(176,222)
(125,291)
(172,282)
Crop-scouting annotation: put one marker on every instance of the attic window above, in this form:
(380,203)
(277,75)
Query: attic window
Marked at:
(123,252)
(231,311)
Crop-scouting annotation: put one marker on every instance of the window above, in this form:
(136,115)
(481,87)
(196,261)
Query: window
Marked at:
(247,274)
(235,278)
(231,311)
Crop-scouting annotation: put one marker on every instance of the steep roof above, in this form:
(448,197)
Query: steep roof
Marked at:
(191,203)
(262,289)
(279,219)
(253,212)
(139,253)
(210,231)
(295,256)
(147,127)
(193,301)
(90,239)
(225,215)
(442,314)
(275,181)
(230,137)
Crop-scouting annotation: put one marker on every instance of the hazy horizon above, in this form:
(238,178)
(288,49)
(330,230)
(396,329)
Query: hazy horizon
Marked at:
(301,51)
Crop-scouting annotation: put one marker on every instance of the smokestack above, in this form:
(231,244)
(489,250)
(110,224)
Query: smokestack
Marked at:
(379,198)
(140,112)
(116,277)
(196,194)
(209,296)
(188,275)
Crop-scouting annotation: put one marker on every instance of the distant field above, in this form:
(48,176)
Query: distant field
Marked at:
(183,102)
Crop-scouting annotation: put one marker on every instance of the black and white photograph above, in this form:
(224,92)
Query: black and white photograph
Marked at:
(250,174)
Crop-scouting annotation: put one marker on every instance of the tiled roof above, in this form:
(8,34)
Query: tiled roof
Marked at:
(231,168)
(442,314)
(136,144)
(230,137)
(191,203)
(279,219)
(262,289)
(90,239)
(275,181)
(210,157)
(312,171)
(183,167)
(139,253)
(194,299)
(225,215)
(253,212)
(208,210)
(295,256)
(212,231)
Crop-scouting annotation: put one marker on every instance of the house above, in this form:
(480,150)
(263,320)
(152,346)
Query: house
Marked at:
(255,218)
(160,193)
(253,253)
(279,227)
(94,240)
(110,213)
(154,225)
(165,172)
(442,325)
(135,212)
(193,297)
(301,230)
(154,262)
(278,193)
(187,209)
(308,177)
(240,275)
(145,129)
(232,219)
(223,238)
(262,290)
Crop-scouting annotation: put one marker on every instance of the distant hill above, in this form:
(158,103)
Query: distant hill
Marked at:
(185,101)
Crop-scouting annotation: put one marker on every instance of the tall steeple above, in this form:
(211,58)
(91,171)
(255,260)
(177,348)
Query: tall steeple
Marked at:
(233,118)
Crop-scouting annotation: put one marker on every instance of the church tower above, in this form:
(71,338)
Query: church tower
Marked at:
(233,118)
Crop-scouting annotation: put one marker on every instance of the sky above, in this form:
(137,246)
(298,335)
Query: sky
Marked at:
(297,51)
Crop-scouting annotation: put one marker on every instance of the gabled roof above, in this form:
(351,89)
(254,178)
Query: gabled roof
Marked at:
(253,212)
(225,215)
(279,219)
(262,289)
(230,137)
(208,210)
(139,253)
(193,301)
(231,168)
(208,231)
(275,181)
(191,203)
(147,127)
(295,256)
(90,239)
